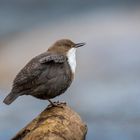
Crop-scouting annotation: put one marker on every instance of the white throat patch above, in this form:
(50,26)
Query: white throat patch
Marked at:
(72,59)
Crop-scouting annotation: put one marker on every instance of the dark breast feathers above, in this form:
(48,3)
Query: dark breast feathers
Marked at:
(44,77)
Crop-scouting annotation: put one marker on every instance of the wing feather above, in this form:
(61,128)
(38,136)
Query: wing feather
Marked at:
(28,76)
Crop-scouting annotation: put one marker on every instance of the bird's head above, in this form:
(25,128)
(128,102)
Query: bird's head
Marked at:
(63,46)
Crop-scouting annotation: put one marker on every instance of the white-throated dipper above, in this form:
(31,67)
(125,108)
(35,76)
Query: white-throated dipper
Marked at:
(48,74)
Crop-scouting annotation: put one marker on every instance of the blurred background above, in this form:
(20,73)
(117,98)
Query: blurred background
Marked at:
(106,90)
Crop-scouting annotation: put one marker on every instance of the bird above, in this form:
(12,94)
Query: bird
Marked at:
(47,75)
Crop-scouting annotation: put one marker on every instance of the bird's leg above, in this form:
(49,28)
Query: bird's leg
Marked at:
(55,104)
(51,103)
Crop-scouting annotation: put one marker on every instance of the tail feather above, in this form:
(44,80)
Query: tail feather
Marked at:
(10,98)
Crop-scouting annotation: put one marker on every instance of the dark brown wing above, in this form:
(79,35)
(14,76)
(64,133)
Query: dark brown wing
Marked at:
(30,73)
(54,57)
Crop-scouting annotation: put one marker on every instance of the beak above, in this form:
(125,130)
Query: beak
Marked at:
(77,45)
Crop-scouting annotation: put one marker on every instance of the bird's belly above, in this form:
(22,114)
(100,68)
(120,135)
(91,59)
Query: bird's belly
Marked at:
(45,92)
(53,87)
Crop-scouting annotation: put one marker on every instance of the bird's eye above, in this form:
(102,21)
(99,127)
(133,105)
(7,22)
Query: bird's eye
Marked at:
(68,45)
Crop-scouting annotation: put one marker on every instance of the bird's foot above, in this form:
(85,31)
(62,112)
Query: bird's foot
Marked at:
(60,103)
(56,104)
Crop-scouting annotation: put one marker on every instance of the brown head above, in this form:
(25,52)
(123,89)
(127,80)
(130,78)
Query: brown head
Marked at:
(63,46)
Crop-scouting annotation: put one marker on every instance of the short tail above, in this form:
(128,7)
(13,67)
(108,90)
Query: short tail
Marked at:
(10,98)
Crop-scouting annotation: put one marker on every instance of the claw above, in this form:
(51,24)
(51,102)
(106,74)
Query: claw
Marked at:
(56,104)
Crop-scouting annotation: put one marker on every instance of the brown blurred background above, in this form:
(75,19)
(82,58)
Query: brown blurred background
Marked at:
(106,90)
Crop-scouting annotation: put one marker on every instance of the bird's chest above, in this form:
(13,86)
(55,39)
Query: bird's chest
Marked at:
(72,59)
